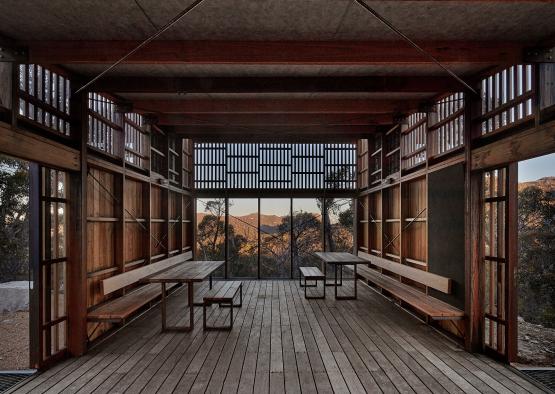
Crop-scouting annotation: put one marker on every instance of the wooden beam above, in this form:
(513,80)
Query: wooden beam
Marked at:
(404,84)
(530,143)
(261,105)
(273,133)
(28,146)
(271,119)
(275,52)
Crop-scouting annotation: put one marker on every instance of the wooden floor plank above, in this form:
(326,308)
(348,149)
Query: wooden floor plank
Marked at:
(282,342)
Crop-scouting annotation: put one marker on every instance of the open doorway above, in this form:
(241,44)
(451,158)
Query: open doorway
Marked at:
(536,263)
(15,273)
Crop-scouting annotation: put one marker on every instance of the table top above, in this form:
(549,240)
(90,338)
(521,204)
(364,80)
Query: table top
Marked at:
(340,258)
(190,271)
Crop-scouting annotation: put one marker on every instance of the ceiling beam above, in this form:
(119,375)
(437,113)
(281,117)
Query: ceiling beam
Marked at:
(261,105)
(273,133)
(274,52)
(272,119)
(403,84)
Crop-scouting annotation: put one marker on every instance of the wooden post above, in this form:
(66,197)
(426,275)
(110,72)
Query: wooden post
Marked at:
(473,234)
(35,229)
(512,262)
(77,242)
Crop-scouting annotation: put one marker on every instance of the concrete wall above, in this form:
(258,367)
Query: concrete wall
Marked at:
(14,296)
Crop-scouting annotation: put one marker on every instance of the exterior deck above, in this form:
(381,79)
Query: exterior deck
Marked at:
(282,342)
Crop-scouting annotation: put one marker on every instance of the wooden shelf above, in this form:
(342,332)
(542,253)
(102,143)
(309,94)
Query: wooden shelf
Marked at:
(392,220)
(415,219)
(417,262)
(376,152)
(391,153)
(101,219)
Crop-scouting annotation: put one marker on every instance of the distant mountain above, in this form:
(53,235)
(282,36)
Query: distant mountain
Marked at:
(246,225)
(546,184)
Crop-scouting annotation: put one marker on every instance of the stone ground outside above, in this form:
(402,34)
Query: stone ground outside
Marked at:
(14,341)
(536,345)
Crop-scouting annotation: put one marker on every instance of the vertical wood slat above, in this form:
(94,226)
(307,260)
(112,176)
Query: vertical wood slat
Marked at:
(270,166)
(508,98)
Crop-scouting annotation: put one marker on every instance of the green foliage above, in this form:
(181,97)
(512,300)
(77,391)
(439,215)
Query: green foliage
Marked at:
(536,269)
(14,220)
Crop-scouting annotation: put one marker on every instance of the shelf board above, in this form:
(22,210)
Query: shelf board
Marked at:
(392,220)
(376,152)
(417,262)
(391,153)
(415,219)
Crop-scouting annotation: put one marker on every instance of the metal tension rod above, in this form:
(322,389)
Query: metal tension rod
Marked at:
(381,225)
(158,33)
(407,226)
(413,44)
(125,209)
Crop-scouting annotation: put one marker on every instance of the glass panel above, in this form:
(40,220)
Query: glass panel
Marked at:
(338,219)
(57,290)
(242,238)
(307,233)
(275,229)
(211,231)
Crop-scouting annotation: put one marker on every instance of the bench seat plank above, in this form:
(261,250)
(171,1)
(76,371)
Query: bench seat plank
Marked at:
(429,279)
(224,293)
(123,307)
(312,272)
(430,306)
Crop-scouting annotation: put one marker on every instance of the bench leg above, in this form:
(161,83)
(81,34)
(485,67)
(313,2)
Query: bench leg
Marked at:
(218,328)
(305,285)
(316,285)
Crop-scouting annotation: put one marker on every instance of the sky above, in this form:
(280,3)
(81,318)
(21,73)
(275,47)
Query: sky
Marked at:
(533,169)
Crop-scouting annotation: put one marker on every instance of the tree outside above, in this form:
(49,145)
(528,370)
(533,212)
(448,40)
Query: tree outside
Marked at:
(14,219)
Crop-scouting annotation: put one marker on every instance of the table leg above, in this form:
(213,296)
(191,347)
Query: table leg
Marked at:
(190,305)
(335,280)
(210,280)
(163,306)
(350,297)
(326,283)
(191,295)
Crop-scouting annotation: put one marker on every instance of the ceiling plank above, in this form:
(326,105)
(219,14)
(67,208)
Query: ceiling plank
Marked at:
(272,119)
(274,52)
(261,105)
(403,84)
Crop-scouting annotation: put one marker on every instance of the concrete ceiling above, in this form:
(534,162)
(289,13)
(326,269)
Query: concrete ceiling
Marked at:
(277,20)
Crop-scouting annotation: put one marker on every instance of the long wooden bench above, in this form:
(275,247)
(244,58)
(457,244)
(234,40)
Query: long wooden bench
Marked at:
(119,309)
(223,295)
(429,306)
(312,273)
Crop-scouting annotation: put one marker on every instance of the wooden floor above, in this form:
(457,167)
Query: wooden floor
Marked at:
(282,343)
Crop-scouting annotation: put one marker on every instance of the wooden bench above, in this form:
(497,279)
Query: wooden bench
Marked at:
(119,309)
(429,306)
(223,296)
(312,273)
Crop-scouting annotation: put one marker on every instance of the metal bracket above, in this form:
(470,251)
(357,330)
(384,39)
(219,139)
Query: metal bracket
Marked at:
(539,55)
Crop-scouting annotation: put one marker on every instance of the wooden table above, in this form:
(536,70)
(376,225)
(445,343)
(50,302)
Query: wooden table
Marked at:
(189,273)
(341,259)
